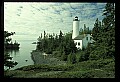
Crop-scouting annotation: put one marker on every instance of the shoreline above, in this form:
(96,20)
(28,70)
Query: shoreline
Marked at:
(39,58)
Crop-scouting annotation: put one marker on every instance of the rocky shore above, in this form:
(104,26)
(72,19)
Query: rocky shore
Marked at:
(39,58)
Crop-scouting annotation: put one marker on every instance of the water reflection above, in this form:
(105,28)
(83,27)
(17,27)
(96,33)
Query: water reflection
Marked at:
(22,55)
(11,52)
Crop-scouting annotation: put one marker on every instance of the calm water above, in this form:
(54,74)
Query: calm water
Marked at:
(24,53)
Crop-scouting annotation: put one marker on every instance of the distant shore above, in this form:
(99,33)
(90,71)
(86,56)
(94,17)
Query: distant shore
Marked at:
(34,43)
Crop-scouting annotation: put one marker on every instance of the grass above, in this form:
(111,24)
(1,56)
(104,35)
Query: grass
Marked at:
(103,68)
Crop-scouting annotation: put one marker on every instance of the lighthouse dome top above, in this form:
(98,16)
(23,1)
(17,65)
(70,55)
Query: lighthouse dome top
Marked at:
(75,19)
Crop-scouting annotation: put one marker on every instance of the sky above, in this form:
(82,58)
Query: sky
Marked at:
(30,19)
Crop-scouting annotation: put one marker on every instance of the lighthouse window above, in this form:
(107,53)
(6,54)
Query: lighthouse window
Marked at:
(78,43)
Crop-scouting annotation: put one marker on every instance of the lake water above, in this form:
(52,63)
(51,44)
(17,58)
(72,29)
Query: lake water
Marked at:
(24,53)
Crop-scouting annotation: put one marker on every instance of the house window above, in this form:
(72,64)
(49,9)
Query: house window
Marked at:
(90,38)
(78,43)
(86,38)
(75,43)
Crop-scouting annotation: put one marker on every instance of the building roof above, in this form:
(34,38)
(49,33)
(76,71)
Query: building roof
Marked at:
(80,37)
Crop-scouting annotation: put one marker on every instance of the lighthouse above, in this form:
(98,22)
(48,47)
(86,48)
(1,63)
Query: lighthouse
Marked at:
(75,27)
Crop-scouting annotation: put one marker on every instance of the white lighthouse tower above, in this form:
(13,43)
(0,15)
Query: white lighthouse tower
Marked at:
(75,27)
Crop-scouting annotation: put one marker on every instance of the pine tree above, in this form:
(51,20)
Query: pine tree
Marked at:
(109,13)
(44,34)
(71,58)
(109,27)
(96,30)
(85,31)
(105,36)
(60,36)
(7,58)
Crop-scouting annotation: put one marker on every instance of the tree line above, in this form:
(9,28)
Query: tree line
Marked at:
(60,45)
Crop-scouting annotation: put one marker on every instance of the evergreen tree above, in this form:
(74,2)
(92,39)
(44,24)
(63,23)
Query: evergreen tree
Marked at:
(7,58)
(109,28)
(60,36)
(105,37)
(44,34)
(85,31)
(81,31)
(41,35)
(96,30)
(88,30)
(56,41)
(71,58)
(109,13)
(62,44)
(63,57)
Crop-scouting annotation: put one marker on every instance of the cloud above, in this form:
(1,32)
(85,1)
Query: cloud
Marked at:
(33,18)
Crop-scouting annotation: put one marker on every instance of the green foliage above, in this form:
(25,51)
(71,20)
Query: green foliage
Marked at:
(7,34)
(104,35)
(86,30)
(95,64)
(102,68)
(109,13)
(7,58)
(57,53)
(73,74)
(96,30)
(7,39)
(83,55)
(64,57)
(63,44)
(110,67)
(71,58)
(60,37)
(46,67)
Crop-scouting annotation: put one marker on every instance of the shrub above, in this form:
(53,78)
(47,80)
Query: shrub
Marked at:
(93,64)
(46,67)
